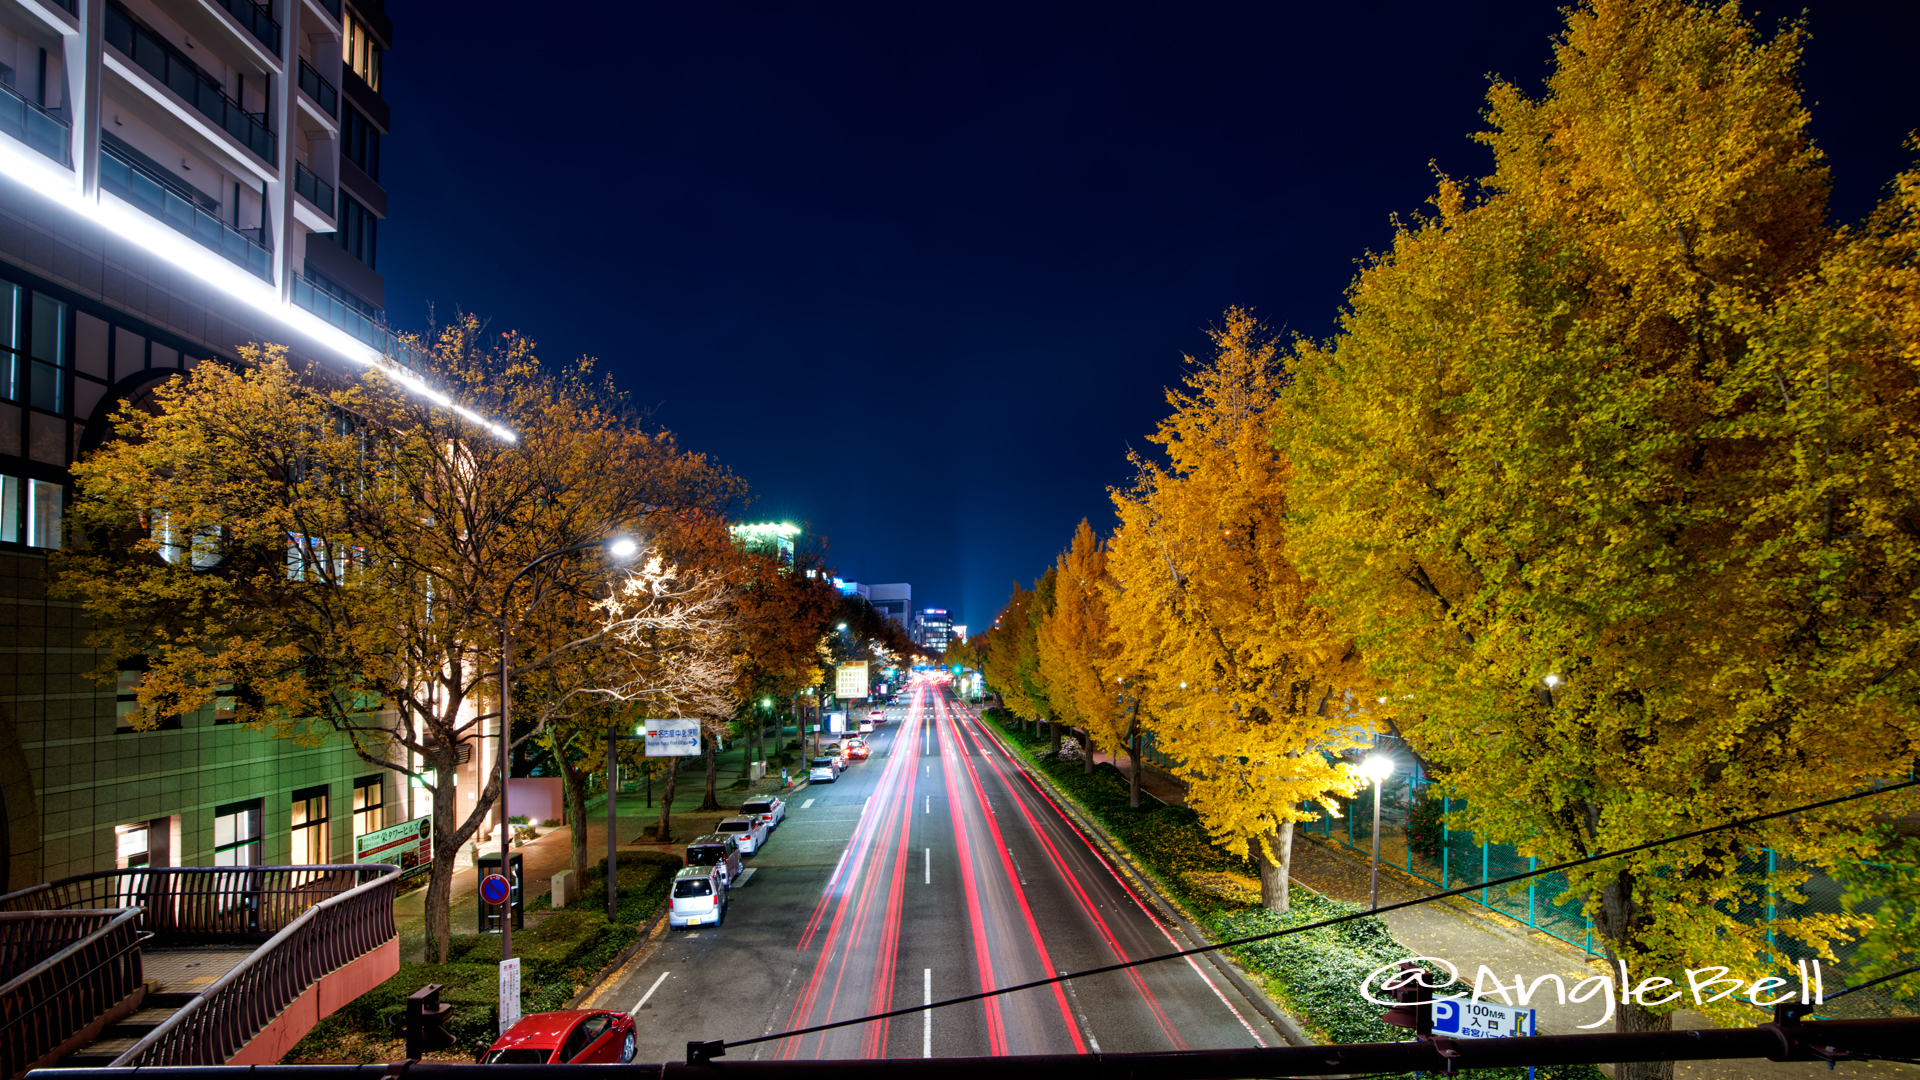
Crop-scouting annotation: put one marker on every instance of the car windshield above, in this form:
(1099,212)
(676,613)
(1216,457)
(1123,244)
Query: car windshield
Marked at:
(520,1055)
(757,808)
(693,887)
(734,826)
(821,763)
(703,856)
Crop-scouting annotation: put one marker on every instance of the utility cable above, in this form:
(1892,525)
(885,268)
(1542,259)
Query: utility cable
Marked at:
(714,1049)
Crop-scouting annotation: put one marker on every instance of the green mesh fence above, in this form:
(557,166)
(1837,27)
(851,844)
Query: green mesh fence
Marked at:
(1426,847)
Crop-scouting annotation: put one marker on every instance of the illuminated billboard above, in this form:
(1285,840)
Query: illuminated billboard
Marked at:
(850,680)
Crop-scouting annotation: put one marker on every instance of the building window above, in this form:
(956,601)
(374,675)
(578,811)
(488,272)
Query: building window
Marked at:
(236,834)
(127,701)
(130,845)
(359,51)
(360,143)
(48,347)
(310,833)
(358,230)
(45,503)
(369,805)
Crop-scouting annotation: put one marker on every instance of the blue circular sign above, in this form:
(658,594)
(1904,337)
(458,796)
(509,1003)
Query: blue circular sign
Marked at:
(493,889)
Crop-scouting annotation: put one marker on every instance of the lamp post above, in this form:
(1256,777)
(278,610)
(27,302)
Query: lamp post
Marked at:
(1377,767)
(620,548)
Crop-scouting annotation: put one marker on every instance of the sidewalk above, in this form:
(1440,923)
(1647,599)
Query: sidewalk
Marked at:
(552,852)
(1469,936)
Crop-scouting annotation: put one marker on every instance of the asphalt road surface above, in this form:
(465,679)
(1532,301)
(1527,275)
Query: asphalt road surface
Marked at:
(931,870)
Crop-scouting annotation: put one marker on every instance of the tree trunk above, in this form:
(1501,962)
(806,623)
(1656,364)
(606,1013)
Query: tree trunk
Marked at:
(1275,894)
(1053,729)
(664,833)
(1620,922)
(752,727)
(712,799)
(1086,751)
(1133,761)
(576,783)
(446,844)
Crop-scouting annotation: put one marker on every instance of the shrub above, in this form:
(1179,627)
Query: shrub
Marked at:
(1424,826)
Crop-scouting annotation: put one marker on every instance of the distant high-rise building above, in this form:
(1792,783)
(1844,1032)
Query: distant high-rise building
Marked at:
(959,631)
(895,600)
(933,629)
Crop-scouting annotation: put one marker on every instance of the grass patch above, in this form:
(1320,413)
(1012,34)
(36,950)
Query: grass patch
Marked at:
(1314,975)
(558,956)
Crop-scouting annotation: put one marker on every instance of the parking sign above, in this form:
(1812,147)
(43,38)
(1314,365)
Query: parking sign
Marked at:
(1464,1019)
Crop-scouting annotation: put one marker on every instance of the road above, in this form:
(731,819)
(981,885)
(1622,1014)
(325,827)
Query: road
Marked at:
(934,869)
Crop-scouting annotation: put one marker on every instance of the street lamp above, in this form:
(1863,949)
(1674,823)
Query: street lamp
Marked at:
(1377,767)
(621,548)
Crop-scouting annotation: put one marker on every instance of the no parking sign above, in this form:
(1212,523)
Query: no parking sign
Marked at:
(493,889)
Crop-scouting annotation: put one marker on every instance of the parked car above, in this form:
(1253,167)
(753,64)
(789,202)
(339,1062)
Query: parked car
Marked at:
(570,1037)
(838,754)
(747,830)
(716,849)
(770,808)
(822,771)
(857,751)
(699,897)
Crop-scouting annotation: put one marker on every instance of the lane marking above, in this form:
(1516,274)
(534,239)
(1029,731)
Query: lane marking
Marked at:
(642,1003)
(926,1018)
(1085,1024)
(929,804)
(926,864)
(806,804)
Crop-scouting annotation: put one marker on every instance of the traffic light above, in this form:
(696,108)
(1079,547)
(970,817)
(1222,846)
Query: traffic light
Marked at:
(427,1022)
(1413,1002)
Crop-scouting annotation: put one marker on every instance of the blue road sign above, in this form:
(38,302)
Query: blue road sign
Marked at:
(1479,1020)
(493,889)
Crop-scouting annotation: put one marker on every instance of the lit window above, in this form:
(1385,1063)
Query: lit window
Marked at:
(310,833)
(130,846)
(369,806)
(44,503)
(236,834)
(360,52)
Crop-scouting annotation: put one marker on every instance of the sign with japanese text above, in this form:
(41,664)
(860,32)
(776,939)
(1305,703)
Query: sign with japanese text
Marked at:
(673,737)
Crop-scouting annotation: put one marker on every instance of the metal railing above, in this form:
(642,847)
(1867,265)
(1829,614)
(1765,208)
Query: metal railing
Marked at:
(317,298)
(131,183)
(199,901)
(180,74)
(319,89)
(313,189)
(325,937)
(257,19)
(331,7)
(34,126)
(46,1000)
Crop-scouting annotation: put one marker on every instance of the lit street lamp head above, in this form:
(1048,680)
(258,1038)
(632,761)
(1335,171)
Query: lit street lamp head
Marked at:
(1377,767)
(622,547)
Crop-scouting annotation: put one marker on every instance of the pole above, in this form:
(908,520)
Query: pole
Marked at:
(613,823)
(1373,890)
(506,727)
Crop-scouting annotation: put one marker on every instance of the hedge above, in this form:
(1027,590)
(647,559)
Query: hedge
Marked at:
(1315,974)
(558,956)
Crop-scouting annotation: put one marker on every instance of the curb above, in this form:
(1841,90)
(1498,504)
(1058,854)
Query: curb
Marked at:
(1288,1027)
(594,985)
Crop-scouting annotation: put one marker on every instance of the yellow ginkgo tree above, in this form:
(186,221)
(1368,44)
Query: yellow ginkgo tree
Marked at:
(1252,688)
(1612,470)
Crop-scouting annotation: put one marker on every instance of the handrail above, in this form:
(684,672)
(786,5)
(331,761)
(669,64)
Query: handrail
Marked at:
(315,86)
(51,1002)
(243,901)
(214,1026)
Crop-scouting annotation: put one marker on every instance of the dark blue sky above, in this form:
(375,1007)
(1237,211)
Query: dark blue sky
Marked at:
(919,273)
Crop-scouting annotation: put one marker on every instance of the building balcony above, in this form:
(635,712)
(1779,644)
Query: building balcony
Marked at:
(137,187)
(175,71)
(345,314)
(319,90)
(313,189)
(255,19)
(36,127)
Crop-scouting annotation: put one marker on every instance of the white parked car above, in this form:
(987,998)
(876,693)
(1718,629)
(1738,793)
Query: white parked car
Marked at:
(769,808)
(822,771)
(747,830)
(699,897)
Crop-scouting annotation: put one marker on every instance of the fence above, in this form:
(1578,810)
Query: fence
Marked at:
(1427,847)
(59,972)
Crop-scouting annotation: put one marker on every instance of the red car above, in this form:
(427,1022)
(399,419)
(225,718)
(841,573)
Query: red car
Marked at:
(857,751)
(572,1037)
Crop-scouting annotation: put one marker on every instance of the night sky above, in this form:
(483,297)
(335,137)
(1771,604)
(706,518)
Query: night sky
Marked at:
(919,273)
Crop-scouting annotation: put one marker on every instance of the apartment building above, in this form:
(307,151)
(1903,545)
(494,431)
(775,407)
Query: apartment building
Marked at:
(178,178)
